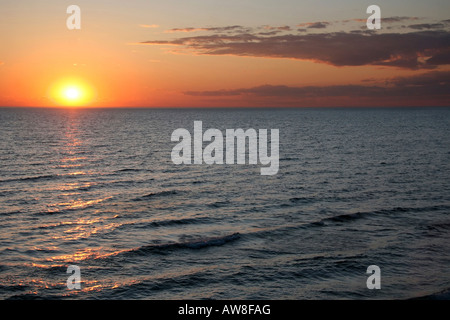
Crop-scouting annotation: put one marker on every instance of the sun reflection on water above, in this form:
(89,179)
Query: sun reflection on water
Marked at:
(78,203)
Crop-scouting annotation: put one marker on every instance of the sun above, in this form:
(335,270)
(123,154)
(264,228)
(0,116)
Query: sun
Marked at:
(72,93)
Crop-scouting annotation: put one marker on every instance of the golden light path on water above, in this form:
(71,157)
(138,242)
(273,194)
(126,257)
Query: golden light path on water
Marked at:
(78,216)
(73,227)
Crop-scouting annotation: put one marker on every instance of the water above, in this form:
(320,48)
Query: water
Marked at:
(97,189)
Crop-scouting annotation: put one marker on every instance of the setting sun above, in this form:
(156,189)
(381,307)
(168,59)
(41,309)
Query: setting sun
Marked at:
(72,92)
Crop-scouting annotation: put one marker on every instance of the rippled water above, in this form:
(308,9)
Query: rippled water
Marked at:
(97,189)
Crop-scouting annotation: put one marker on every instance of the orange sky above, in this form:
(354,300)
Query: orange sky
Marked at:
(128,56)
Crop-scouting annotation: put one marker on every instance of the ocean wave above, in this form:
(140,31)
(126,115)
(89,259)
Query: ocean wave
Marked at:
(166,223)
(12,288)
(303,200)
(10,213)
(7,193)
(339,219)
(359,215)
(288,159)
(344,217)
(219,204)
(164,193)
(441,295)
(30,179)
(176,222)
(194,244)
(135,289)
(129,170)
(439,226)
(33,296)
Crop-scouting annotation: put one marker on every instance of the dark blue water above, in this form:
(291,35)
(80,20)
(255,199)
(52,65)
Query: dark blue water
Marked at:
(98,189)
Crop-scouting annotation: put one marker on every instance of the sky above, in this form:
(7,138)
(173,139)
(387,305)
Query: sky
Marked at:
(211,53)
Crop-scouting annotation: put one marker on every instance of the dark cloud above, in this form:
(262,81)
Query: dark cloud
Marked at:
(314,25)
(440,58)
(280,28)
(270,30)
(211,29)
(228,28)
(427,26)
(284,28)
(185,30)
(269,33)
(364,31)
(431,84)
(398,19)
(433,78)
(318,25)
(296,92)
(386,20)
(414,50)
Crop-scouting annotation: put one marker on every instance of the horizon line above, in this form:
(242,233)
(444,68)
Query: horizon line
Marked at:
(220,107)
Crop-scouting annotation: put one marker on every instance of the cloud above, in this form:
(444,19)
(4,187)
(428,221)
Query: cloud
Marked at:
(210,29)
(149,26)
(269,33)
(185,30)
(431,84)
(414,50)
(398,19)
(394,19)
(314,25)
(271,30)
(280,28)
(318,25)
(432,78)
(427,26)
(293,92)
